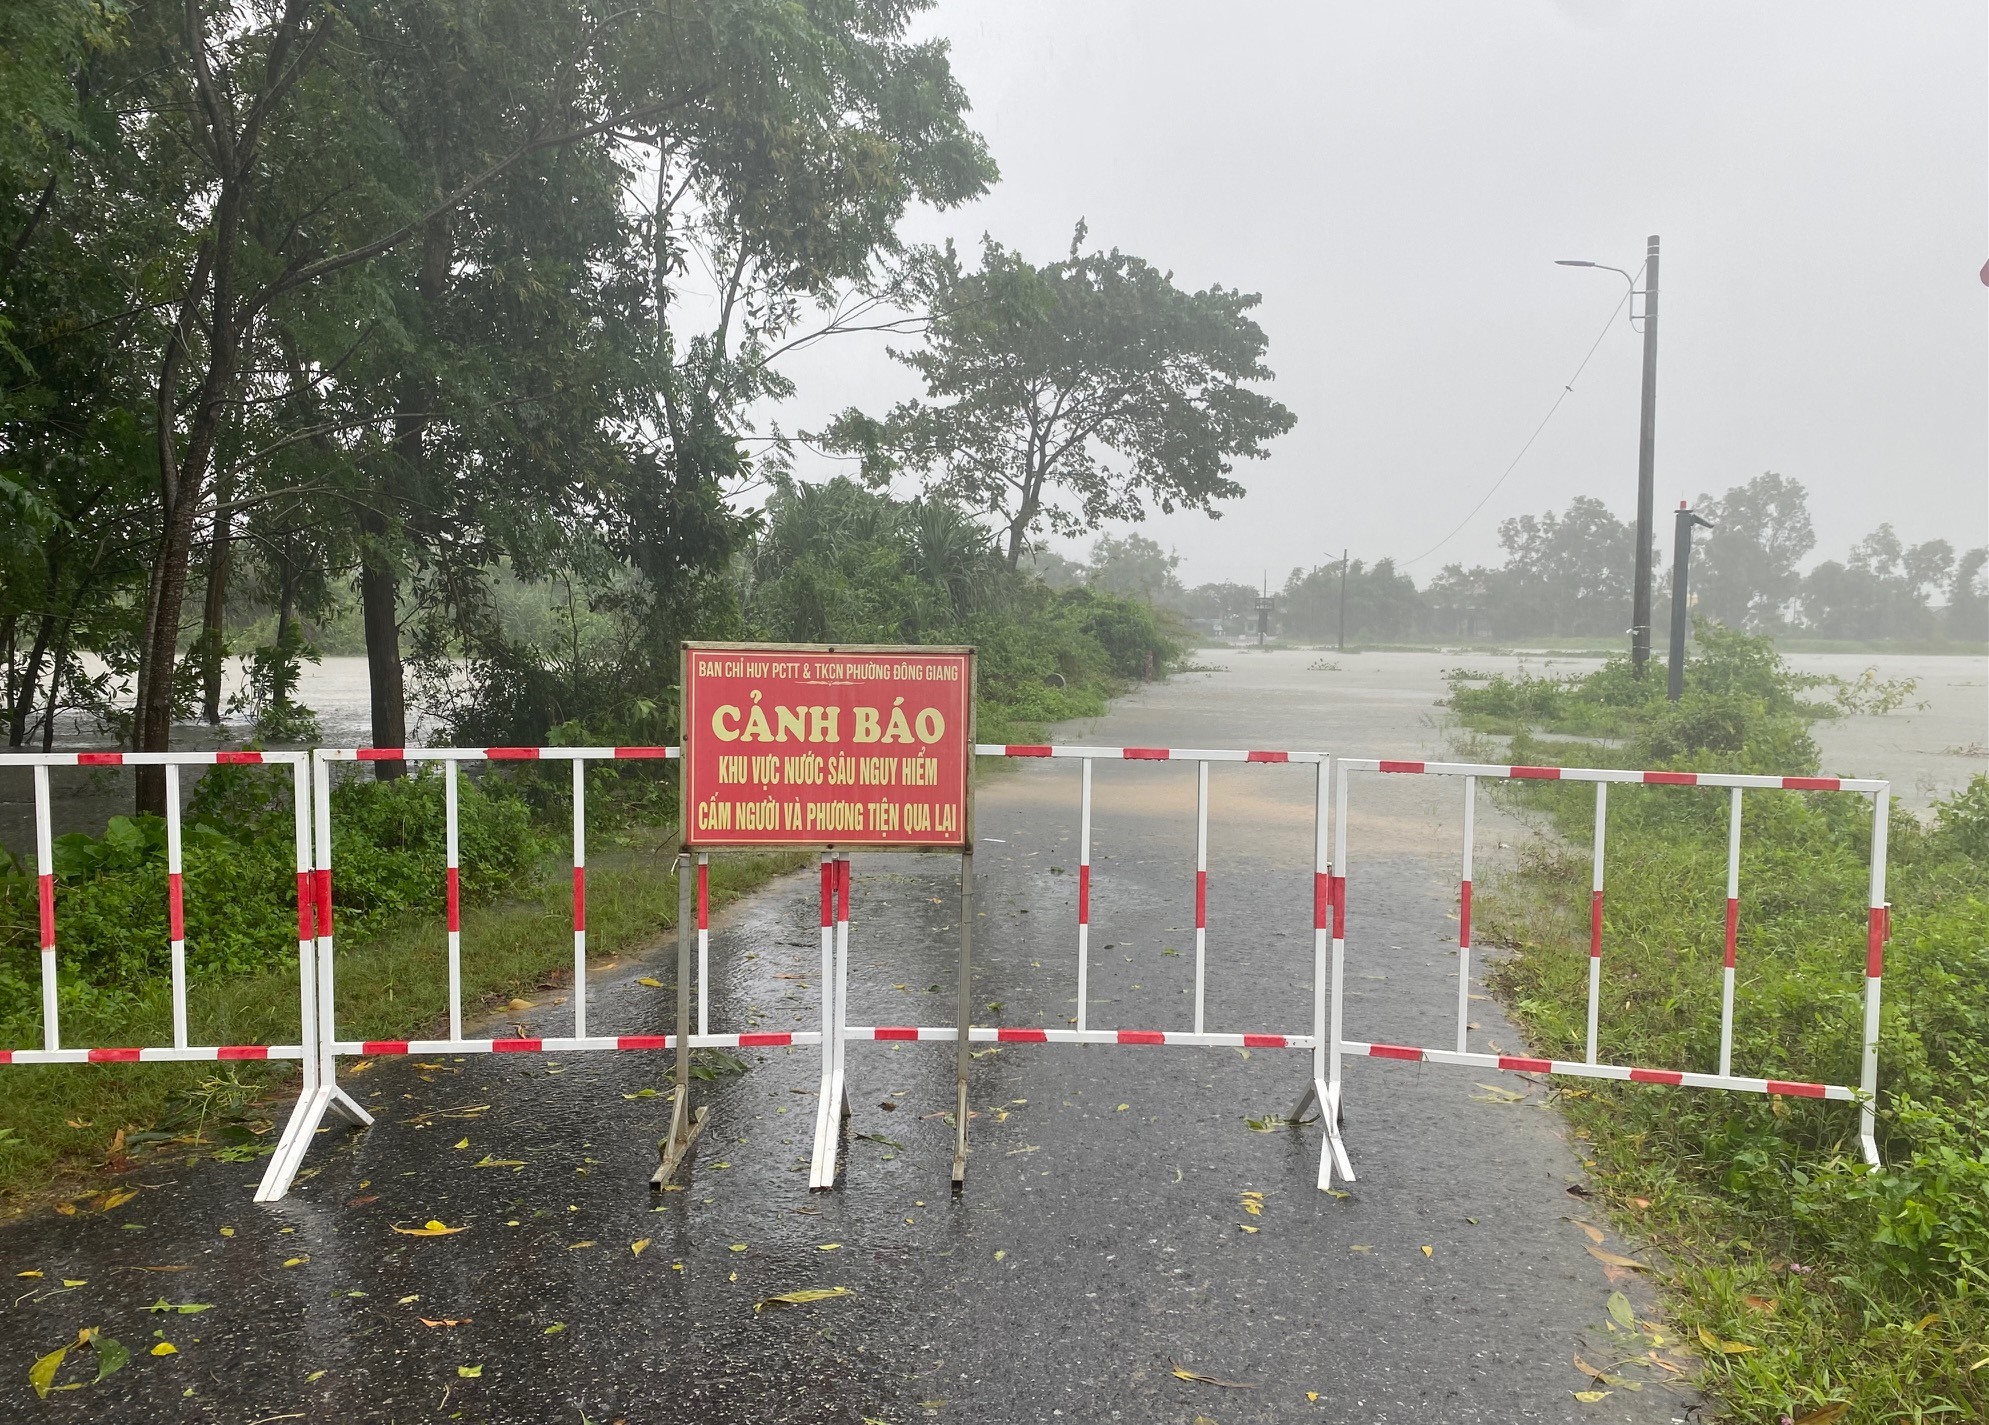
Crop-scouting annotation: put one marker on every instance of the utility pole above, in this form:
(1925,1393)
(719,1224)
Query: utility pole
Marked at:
(1681,565)
(1342,645)
(1640,609)
(1640,597)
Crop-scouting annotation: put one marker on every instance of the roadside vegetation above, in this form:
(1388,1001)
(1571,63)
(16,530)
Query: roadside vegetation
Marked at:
(1822,1290)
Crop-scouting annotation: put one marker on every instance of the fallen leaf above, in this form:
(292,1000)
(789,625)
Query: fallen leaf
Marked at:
(1429,1251)
(116,1199)
(30,1273)
(1122,1108)
(408,1300)
(1592,1372)
(363,1200)
(1924,1322)
(1728,1348)
(520,1004)
(1768,1303)
(431,1228)
(736,1247)
(1642,1204)
(185,1308)
(445,1321)
(1826,1416)
(227,1231)
(1362,1247)
(800,1298)
(41,1375)
(829,1247)
(1181,1372)
(1616,1259)
(1246,1227)
(1312,1395)
(469,1372)
(67,1209)
(75,1281)
(298,1261)
(576,1246)
(165,1348)
(314,1377)
(1253,1203)
(1619,1310)
(1594,1232)
(651,981)
(555,1328)
(1001,1254)
(461,1143)
(637,1246)
(489,1162)
(1589,1397)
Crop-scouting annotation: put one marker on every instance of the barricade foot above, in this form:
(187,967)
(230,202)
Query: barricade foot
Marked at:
(1333,1152)
(305,1120)
(831,1113)
(685,1127)
(1315,1092)
(343,1104)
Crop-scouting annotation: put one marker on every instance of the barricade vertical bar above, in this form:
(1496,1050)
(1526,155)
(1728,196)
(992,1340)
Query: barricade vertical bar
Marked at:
(580,898)
(704,942)
(822,1171)
(1733,933)
(176,904)
(1337,884)
(282,1163)
(51,1036)
(1464,918)
(1595,915)
(1083,895)
(838,1090)
(964,1019)
(450,813)
(1201,886)
(1878,929)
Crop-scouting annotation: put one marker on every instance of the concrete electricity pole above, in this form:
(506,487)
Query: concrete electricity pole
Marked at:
(1640,597)
(1681,603)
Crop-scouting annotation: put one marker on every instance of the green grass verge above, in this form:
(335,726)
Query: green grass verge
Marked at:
(60,1123)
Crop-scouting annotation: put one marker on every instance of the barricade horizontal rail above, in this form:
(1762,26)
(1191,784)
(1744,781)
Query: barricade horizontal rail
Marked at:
(994,1034)
(1877,930)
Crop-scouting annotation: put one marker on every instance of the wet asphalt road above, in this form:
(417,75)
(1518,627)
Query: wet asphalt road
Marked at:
(1100,1242)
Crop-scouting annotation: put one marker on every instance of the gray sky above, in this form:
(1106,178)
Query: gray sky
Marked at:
(1396,180)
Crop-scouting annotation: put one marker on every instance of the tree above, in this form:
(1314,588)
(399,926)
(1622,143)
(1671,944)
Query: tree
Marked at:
(1137,566)
(1074,393)
(1744,570)
(1967,613)
(1382,602)
(1881,591)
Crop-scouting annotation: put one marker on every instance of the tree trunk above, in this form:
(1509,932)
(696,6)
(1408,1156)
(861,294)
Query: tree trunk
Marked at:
(378,589)
(213,649)
(17,725)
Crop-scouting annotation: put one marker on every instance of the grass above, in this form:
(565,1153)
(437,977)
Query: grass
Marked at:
(60,1123)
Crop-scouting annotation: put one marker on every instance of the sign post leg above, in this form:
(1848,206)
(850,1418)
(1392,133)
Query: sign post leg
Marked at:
(964,1020)
(684,1124)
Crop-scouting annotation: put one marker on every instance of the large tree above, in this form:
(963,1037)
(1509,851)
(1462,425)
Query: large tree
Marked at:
(1744,570)
(1076,392)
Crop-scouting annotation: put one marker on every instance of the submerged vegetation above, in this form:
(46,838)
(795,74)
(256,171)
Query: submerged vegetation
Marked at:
(1847,1284)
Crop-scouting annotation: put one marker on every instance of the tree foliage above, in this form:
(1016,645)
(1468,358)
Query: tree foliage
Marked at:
(1065,395)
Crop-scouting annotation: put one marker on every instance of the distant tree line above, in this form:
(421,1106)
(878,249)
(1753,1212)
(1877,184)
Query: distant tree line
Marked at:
(1569,574)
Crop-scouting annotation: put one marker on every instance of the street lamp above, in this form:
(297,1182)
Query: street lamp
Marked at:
(1640,606)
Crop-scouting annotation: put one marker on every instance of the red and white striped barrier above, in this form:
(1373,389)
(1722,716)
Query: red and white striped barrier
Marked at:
(1877,921)
(182,1049)
(836,931)
(579,1040)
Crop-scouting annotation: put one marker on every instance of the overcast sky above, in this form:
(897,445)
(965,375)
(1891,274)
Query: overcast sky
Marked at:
(1397,178)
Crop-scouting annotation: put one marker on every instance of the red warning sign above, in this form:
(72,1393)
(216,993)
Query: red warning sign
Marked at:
(804,745)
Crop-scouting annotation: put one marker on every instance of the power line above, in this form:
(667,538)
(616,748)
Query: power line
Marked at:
(1566,391)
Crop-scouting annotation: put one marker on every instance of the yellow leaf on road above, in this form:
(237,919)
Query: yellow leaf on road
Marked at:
(637,1246)
(469,1372)
(800,1298)
(1616,1259)
(651,981)
(27,1274)
(116,1199)
(1181,1372)
(298,1261)
(41,1375)
(736,1247)
(1246,1227)
(464,1143)
(1590,1397)
(431,1228)
(165,1348)
(829,1247)
(576,1246)
(1429,1251)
